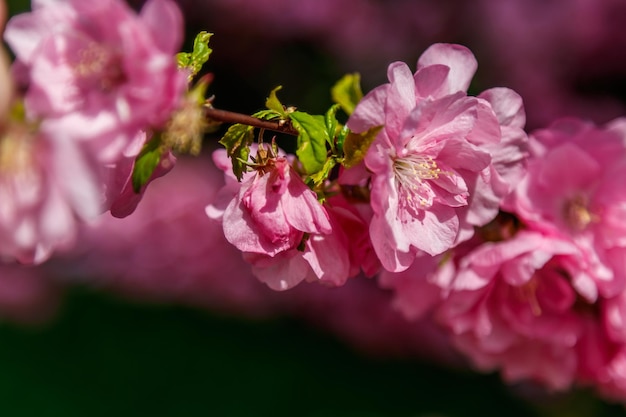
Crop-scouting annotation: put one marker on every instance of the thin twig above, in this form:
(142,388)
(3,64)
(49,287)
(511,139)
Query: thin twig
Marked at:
(225,116)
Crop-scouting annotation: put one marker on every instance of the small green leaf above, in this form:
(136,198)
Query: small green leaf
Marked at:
(341,138)
(312,139)
(267,115)
(237,140)
(322,175)
(356,145)
(273,103)
(198,57)
(347,92)
(331,122)
(146,162)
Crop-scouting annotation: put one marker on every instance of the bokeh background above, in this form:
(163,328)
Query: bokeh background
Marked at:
(155,315)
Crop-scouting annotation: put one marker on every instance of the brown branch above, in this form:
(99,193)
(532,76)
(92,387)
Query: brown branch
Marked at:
(283,126)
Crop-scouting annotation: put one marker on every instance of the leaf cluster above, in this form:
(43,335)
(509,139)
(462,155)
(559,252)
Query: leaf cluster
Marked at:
(322,141)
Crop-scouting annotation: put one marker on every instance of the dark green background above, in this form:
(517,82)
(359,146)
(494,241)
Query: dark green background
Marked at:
(106,357)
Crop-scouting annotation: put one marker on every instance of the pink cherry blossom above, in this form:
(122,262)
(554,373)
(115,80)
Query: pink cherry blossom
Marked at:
(271,210)
(432,164)
(574,189)
(324,258)
(99,72)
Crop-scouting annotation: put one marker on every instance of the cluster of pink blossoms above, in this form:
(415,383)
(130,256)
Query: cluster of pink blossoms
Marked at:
(539,294)
(513,245)
(439,167)
(91,82)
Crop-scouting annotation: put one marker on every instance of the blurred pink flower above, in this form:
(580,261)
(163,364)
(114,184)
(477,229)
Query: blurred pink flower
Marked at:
(99,72)
(27,295)
(169,251)
(435,151)
(420,288)
(512,308)
(574,190)
(45,188)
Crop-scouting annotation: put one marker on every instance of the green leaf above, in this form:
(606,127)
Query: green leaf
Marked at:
(356,145)
(273,103)
(331,122)
(146,162)
(237,140)
(312,139)
(322,175)
(198,57)
(347,92)
(267,115)
(341,138)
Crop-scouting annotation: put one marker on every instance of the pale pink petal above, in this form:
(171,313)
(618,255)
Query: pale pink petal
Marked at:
(507,105)
(160,14)
(458,58)
(369,112)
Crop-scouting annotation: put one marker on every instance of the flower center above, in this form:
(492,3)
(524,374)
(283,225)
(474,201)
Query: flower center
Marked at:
(411,173)
(16,151)
(528,293)
(20,175)
(98,66)
(576,213)
(185,129)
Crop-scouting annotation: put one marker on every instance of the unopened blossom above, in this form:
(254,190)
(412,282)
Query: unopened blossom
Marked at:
(99,72)
(436,150)
(270,211)
(121,198)
(574,189)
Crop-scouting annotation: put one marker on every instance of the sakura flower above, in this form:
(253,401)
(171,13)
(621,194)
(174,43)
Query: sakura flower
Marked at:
(435,152)
(323,258)
(270,211)
(574,189)
(99,72)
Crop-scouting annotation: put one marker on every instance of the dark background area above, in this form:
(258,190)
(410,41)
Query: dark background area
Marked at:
(106,357)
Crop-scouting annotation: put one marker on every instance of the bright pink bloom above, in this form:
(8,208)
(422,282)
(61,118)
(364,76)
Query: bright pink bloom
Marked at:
(98,71)
(574,189)
(271,211)
(436,151)
(324,258)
